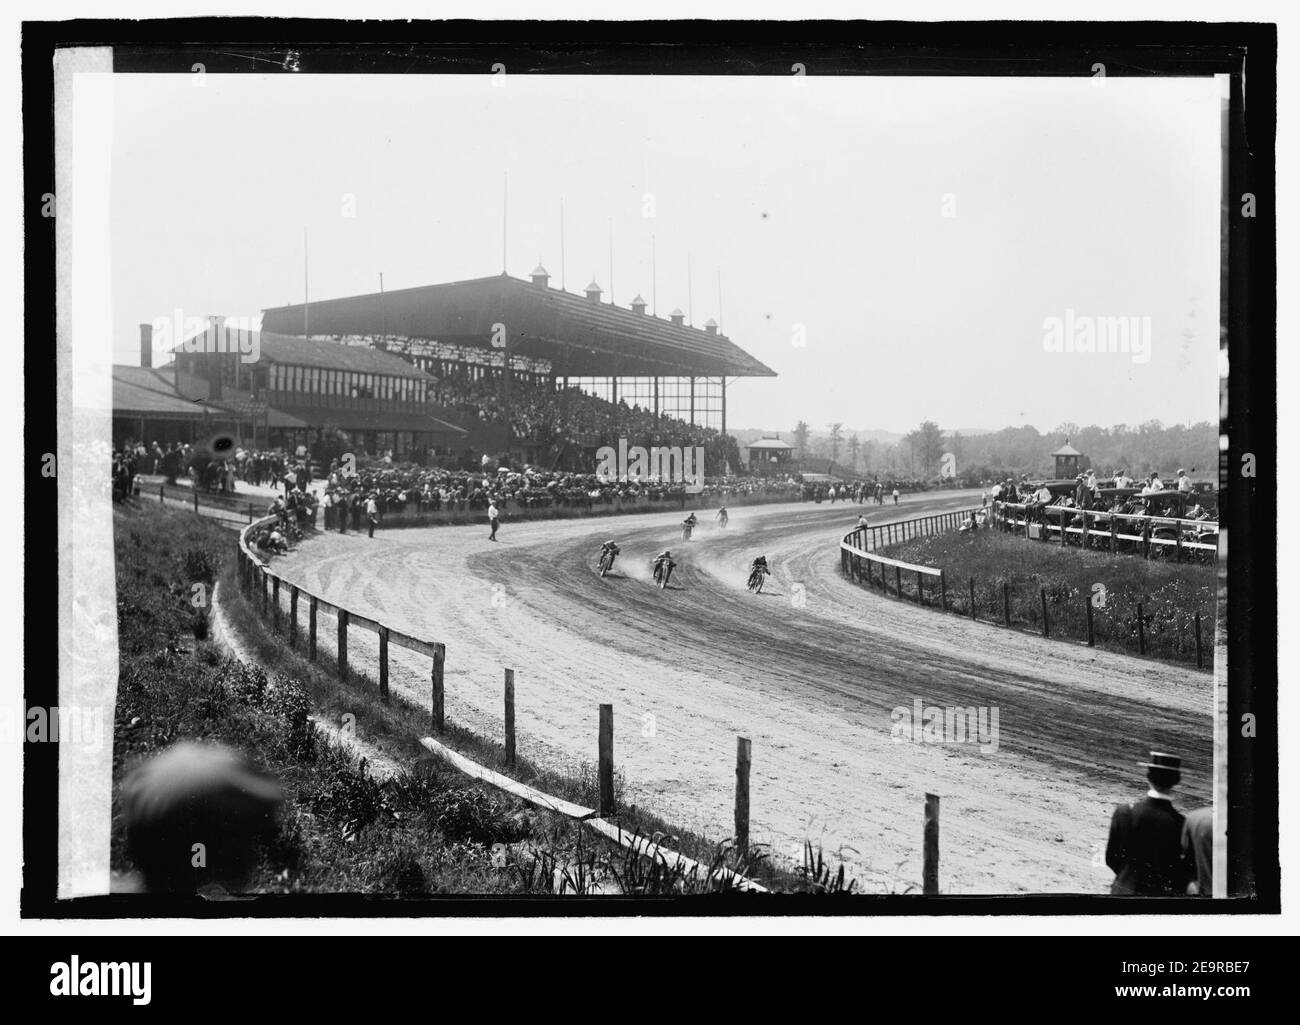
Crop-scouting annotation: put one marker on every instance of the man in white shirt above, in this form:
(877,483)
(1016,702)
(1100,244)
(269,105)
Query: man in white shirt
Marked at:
(1184,482)
(372,513)
(494,520)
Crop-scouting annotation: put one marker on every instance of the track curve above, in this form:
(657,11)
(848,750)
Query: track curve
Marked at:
(811,670)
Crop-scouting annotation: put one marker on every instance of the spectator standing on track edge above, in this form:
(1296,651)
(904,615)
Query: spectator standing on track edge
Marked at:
(494,520)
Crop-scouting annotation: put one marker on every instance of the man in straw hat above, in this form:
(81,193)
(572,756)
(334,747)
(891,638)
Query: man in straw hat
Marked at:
(1145,848)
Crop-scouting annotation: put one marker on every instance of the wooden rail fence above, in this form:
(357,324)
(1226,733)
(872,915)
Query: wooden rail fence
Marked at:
(856,562)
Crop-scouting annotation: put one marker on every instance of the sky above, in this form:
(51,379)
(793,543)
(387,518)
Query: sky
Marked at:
(891,247)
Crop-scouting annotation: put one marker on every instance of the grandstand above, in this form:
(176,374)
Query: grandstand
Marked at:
(565,373)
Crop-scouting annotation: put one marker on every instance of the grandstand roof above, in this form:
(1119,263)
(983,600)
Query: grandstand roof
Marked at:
(312,352)
(578,336)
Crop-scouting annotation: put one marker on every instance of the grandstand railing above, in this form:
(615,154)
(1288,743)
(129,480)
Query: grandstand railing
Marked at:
(1104,529)
(254,574)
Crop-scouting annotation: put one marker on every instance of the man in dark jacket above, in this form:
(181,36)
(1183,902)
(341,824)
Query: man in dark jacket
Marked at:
(1145,848)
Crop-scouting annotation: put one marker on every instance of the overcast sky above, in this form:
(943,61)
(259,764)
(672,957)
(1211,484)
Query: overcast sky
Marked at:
(823,204)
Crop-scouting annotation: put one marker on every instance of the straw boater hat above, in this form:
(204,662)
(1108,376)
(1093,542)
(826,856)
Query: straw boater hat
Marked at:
(1160,760)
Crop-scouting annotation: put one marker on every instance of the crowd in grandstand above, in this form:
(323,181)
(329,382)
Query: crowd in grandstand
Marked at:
(545,415)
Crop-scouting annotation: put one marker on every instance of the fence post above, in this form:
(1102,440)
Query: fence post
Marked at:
(605,764)
(311,628)
(920,588)
(742,795)
(1114,530)
(1142,636)
(1087,604)
(1084,542)
(1042,593)
(972,597)
(1062,526)
(196,496)
(898,581)
(266,590)
(250,512)
(343,643)
(293,615)
(1197,625)
(1006,603)
(510,718)
(162,490)
(1146,539)
(439,660)
(930,868)
(275,601)
(1178,542)
(383,664)
(943,593)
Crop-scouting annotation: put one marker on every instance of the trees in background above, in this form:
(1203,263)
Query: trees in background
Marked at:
(1013,451)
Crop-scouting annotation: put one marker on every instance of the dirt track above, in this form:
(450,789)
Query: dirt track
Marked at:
(810,670)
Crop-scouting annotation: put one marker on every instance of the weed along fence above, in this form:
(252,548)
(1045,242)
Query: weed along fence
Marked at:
(1064,613)
(303,619)
(1115,532)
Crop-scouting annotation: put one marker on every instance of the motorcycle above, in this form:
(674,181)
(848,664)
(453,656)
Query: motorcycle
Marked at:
(687,527)
(663,571)
(606,562)
(756,576)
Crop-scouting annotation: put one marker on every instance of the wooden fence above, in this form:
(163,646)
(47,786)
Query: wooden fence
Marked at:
(256,577)
(1116,532)
(857,563)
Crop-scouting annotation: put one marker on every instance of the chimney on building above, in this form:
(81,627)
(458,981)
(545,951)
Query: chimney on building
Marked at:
(146,345)
(540,275)
(593,291)
(711,326)
(638,305)
(677,317)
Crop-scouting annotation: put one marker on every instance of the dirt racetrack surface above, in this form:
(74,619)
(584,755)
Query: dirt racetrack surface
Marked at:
(811,670)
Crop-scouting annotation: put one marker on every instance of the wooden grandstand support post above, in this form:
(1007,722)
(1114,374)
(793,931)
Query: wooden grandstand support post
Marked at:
(742,795)
(343,643)
(930,863)
(383,664)
(439,664)
(605,760)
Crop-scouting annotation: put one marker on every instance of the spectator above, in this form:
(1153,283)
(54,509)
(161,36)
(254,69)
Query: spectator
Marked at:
(1198,847)
(1145,848)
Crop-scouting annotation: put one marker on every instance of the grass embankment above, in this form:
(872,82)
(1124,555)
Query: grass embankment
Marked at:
(1170,593)
(425,830)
